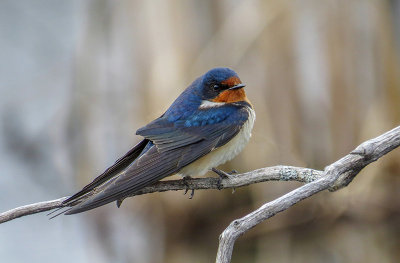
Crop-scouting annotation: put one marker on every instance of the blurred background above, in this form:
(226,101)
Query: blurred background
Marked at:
(78,77)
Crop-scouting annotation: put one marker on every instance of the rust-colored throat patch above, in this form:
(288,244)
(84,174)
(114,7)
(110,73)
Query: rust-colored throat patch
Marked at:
(229,96)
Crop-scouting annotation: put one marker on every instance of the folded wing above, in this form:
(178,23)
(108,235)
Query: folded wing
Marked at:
(171,146)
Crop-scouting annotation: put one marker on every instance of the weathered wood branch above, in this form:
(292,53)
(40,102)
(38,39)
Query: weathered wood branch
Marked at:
(335,176)
(276,173)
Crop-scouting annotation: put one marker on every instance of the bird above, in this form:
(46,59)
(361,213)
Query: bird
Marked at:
(207,125)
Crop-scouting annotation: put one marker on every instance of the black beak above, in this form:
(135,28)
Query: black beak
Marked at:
(238,86)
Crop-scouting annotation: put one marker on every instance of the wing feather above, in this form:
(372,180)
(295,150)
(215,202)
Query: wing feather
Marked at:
(172,147)
(110,172)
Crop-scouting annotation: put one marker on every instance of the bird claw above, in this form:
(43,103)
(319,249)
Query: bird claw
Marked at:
(222,175)
(191,194)
(185,178)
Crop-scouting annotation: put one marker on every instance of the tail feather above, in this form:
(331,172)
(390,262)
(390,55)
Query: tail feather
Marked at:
(108,174)
(85,206)
(62,212)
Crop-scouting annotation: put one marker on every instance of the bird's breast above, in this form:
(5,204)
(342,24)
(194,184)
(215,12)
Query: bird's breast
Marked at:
(224,153)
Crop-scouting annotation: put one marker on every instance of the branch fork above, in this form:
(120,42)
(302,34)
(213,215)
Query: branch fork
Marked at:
(334,177)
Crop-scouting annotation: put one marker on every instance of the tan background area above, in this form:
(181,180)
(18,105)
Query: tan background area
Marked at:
(77,78)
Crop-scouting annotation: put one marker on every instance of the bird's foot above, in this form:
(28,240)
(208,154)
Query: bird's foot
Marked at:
(185,178)
(222,175)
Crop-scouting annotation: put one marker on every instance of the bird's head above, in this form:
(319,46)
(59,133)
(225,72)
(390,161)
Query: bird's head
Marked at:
(222,85)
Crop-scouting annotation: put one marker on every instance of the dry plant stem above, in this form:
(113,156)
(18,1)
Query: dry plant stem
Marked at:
(276,173)
(335,176)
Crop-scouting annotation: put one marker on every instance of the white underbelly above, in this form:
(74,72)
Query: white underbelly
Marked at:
(224,153)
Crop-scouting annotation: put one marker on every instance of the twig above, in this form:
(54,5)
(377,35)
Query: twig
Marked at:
(30,209)
(335,176)
(276,173)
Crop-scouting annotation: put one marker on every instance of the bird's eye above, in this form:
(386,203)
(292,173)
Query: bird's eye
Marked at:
(216,87)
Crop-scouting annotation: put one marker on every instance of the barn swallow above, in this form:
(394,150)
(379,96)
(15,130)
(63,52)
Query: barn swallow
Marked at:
(207,125)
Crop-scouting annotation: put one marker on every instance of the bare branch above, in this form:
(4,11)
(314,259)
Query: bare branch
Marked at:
(30,209)
(276,173)
(335,176)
